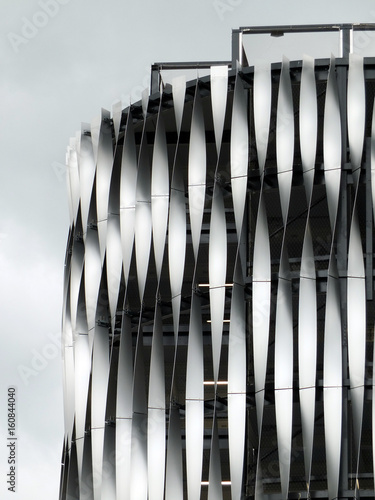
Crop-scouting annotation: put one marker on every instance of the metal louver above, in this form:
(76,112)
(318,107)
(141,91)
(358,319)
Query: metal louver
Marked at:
(218,310)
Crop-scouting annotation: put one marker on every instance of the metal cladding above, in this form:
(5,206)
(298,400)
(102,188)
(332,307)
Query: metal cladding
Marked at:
(218,318)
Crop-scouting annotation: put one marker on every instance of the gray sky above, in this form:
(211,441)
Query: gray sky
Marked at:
(60,64)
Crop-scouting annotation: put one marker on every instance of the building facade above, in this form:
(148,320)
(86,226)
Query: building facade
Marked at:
(218,319)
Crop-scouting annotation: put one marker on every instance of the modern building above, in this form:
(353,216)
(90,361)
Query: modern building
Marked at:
(218,321)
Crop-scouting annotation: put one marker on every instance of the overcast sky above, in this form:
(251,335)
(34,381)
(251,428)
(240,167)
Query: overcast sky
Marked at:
(61,61)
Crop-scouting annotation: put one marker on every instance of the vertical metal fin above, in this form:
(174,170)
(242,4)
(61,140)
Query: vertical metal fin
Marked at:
(178,91)
(176,244)
(332,144)
(219,92)
(308,123)
(100,373)
(237,384)
(114,249)
(261,305)
(307,347)
(262,111)
(143,218)
(173,483)
(356,112)
(356,328)
(332,380)
(124,410)
(215,490)
(103,178)
(86,167)
(156,435)
(217,272)
(109,465)
(138,466)
(356,290)
(332,364)
(82,369)
(92,273)
(159,192)
(194,418)
(197,171)
(239,152)
(128,182)
(285,138)
(284,371)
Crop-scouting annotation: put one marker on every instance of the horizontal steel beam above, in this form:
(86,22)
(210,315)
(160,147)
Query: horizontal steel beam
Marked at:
(305,28)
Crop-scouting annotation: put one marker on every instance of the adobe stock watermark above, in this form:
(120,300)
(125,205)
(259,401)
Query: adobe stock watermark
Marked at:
(60,170)
(40,359)
(39,20)
(222,7)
